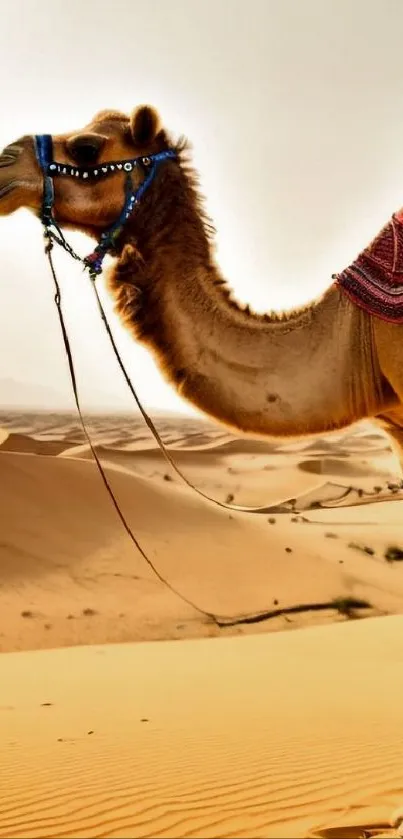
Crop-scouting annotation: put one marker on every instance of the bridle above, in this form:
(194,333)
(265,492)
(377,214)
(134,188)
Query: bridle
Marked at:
(132,195)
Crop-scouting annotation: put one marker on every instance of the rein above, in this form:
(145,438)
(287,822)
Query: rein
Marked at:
(128,529)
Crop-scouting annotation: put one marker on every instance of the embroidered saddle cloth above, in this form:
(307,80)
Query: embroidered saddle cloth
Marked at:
(375,280)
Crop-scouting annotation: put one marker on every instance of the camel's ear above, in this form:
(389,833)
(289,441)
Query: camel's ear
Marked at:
(144,125)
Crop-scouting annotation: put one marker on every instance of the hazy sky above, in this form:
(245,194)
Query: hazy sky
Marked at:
(295,111)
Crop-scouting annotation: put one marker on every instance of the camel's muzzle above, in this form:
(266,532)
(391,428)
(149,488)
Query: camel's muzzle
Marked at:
(19,176)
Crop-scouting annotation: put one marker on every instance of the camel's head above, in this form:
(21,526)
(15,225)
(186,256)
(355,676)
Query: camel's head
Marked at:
(92,204)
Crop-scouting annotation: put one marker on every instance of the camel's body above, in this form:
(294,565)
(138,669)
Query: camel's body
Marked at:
(313,370)
(282,377)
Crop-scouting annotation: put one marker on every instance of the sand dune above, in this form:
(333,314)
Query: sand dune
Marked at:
(29,444)
(70,574)
(337,468)
(296,734)
(69,571)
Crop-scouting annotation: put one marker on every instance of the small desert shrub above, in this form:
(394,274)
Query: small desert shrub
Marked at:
(394,554)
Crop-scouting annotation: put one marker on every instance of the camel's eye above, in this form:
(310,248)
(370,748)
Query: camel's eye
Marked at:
(85,149)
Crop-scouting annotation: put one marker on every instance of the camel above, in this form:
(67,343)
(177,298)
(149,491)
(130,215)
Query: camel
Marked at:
(318,368)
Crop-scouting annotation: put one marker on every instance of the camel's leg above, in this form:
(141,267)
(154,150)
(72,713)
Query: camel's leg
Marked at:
(388,338)
(392,423)
(389,346)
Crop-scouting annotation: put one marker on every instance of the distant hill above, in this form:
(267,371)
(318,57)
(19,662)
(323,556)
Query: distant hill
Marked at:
(23,395)
(27,396)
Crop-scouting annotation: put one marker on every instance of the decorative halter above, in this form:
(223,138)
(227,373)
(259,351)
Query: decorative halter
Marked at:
(50,168)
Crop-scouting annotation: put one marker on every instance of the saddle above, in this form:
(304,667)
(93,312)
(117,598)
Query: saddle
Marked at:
(374,282)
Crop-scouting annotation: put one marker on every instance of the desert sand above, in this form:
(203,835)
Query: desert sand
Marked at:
(280,734)
(293,734)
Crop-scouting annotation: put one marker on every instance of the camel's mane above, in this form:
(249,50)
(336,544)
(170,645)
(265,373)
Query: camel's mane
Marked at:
(183,148)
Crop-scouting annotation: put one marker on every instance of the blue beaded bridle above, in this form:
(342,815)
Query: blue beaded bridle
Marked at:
(148,164)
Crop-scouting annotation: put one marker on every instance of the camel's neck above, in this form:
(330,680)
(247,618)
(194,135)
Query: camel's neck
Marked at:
(305,372)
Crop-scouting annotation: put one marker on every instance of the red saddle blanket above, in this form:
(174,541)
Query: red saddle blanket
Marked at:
(375,280)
